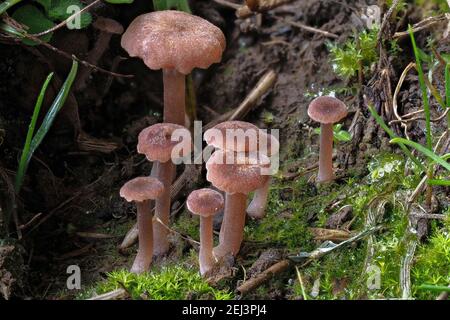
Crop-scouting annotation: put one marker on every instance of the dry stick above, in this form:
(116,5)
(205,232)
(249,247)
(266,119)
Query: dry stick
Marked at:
(311,29)
(258,6)
(264,276)
(191,172)
(261,88)
(112,295)
(424,24)
(228,4)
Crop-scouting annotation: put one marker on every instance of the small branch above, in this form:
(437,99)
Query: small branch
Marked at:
(63,23)
(311,29)
(264,276)
(228,4)
(424,24)
(258,6)
(112,295)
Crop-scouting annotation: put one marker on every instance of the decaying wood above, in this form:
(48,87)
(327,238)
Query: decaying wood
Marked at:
(112,295)
(192,172)
(255,6)
(264,276)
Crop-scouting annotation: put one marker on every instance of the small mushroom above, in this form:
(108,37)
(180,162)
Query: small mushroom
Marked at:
(237,174)
(157,145)
(327,111)
(257,207)
(205,203)
(176,42)
(107,28)
(236,136)
(141,190)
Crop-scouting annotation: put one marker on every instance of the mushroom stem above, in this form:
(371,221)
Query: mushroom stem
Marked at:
(145,253)
(162,209)
(232,230)
(174,96)
(257,207)
(326,154)
(206,257)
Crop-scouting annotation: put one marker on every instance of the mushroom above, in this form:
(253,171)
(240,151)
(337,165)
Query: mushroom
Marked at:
(257,207)
(327,111)
(157,144)
(107,28)
(237,174)
(205,203)
(141,190)
(176,42)
(236,136)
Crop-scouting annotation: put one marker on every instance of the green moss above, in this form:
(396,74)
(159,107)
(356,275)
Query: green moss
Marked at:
(167,283)
(356,54)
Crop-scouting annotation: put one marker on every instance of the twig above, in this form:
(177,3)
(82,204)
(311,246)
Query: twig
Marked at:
(258,6)
(112,295)
(312,29)
(386,19)
(424,24)
(228,4)
(264,84)
(63,23)
(264,276)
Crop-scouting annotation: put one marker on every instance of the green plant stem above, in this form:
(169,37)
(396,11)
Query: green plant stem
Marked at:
(23,164)
(423,87)
(447,92)
(431,287)
(56,106)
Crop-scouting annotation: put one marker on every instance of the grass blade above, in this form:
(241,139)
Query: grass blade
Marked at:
(423,88)
(23,164)
(47,122)
(392,135)
(431,287)
(430,154)
(435,182)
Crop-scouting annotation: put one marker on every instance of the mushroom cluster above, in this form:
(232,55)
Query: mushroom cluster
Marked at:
(176,42)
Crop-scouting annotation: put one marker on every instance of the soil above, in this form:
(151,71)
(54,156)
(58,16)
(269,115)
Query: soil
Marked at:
(71,187)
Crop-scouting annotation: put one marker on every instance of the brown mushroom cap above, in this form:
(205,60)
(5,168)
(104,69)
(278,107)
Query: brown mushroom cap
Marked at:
(142,188)
(108,25)
(242,175)
(156,141)
(174,40)
(205,202)
(233,128)
(327,110)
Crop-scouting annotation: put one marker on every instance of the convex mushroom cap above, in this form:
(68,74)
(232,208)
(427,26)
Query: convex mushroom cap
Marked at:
(141,189)
(242,175)
(158,141)
(205,202)
(174,40)
(240,131)
(327,110)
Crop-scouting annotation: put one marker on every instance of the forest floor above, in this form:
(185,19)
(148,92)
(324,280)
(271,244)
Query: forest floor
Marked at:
(71,213)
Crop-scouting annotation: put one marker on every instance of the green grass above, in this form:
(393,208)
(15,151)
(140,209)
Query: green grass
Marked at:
(167,283)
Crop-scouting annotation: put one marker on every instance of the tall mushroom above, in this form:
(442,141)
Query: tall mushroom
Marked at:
(327,111)
(234,136)
(237,174)
(269,146)
(157,143)
(205,203)
(141,190)
(176,42)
